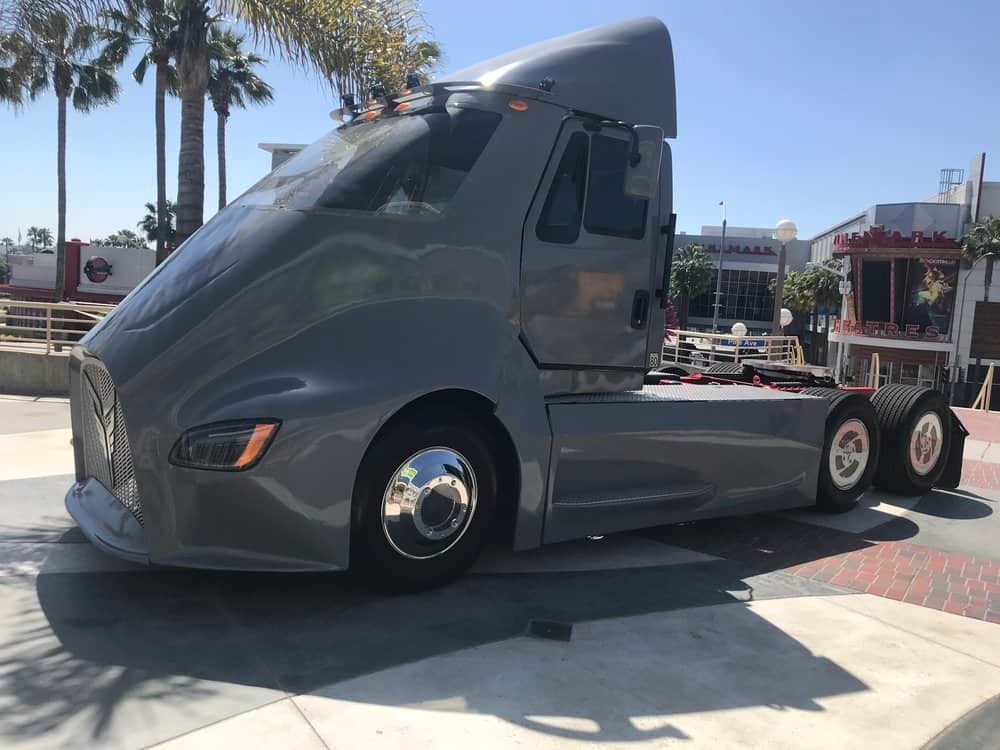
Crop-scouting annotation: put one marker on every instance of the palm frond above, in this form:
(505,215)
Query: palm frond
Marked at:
(232,80)
(139,72)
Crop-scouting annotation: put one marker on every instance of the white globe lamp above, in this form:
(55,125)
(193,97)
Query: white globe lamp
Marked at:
(786,317)
(785,231)
(738,330)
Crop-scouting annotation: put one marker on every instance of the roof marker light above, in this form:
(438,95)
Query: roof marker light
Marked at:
(518,105)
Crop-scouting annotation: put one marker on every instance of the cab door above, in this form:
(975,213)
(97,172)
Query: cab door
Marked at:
(588,257)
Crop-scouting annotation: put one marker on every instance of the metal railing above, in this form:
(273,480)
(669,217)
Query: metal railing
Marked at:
(703,349)
(985,397)
(46,327)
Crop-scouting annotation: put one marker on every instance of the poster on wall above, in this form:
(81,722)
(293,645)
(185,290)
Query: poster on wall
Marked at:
(930,293)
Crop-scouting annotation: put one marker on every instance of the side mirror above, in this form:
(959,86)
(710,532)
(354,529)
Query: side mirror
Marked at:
(642,177)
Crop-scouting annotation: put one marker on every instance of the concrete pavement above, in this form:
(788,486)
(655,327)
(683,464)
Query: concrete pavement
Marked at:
(717,634)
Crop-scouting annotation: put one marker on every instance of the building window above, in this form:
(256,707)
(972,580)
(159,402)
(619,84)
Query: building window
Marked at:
(746,295)
(911,373)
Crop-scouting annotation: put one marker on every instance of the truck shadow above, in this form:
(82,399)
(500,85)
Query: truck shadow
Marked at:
(772,542)
(93,644)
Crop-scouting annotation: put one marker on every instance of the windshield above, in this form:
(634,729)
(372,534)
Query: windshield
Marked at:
(410,164)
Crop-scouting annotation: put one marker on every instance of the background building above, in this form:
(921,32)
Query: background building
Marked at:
(909,296)
(750,263)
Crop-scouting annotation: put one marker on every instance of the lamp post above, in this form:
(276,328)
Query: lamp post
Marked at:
(784,232)
(718,278)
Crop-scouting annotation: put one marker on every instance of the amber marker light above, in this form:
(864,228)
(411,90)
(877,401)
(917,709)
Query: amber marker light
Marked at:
(224,446)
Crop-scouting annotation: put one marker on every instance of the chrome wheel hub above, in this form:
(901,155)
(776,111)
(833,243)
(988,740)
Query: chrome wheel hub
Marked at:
(429,502)
(926,443)
(850,451)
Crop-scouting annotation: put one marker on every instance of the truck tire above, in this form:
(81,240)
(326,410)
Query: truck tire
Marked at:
(851,444)
(725,368)
(916,438)
(423,501)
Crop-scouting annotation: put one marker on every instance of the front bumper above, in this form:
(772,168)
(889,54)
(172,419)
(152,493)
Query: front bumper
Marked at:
(106,522)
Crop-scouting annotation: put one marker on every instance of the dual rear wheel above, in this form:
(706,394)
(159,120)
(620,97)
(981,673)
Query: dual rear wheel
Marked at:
(898,441)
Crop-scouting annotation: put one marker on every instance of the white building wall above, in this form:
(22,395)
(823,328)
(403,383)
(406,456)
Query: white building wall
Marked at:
(974,291)
(989,204)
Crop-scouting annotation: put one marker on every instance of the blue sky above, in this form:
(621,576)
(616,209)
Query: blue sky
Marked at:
(805,110)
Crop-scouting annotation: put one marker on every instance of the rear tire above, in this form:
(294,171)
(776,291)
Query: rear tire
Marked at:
(423,501)
(850,449)
(916,438)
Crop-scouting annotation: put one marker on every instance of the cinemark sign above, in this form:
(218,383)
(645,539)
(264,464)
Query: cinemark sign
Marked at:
(877,237)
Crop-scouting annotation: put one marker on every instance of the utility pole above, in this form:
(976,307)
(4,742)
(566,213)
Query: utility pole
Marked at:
(718,278)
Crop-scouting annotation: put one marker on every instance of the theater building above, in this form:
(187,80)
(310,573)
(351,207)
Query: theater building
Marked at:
(749,265)
(908,295)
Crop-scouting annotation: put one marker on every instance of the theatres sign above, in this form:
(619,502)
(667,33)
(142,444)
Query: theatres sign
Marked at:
(742,249)
(879,329)
(877,238)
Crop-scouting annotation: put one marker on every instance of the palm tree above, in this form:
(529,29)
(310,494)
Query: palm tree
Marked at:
(150,224)
(342,39)
(32,233)
(44,237)
(7,243)
(39,237)
(151,24)
(52,51)
(121,238)
(982,240)
(232,82)
(690,275)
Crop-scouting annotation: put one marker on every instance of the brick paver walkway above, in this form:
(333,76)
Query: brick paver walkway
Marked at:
(981,474)
(954,583)
(907,572)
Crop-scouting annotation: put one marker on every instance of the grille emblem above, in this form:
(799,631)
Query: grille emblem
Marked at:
(106,418)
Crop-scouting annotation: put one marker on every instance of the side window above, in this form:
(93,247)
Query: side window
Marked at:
(563,209)
(609,210)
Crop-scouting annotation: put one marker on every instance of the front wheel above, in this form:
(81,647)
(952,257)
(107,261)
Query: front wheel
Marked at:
(423,502)
(850,449)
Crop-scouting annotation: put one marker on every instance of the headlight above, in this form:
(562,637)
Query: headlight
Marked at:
(225,446)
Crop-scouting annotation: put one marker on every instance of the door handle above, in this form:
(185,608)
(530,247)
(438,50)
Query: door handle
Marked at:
(640,308)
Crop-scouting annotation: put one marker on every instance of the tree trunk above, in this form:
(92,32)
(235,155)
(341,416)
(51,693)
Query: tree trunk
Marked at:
(220,142)
(60,290)
(988,278)
(191,165)
(682,309)
(161,159)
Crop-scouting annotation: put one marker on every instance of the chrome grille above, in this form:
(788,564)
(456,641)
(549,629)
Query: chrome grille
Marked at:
(107,455)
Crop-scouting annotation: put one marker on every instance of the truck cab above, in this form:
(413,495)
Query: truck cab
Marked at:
(435,320)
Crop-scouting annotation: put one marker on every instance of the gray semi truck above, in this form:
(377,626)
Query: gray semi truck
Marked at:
(440,320)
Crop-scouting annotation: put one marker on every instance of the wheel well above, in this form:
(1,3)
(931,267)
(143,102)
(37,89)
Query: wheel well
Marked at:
(507,464)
